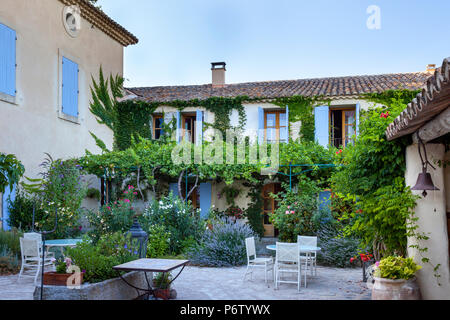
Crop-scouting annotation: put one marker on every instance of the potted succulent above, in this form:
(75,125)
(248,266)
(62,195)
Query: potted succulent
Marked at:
(62,274)
(391,275)
(161,284)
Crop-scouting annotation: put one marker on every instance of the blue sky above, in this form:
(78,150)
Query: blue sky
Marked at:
(277,39)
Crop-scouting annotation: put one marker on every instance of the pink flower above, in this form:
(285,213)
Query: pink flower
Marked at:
(127,200)
(287,212)
(109,208)
(289,207)
(135,193)
(377,263)
(126,192)
(292,212)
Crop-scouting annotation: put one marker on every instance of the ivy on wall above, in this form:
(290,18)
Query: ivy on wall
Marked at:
(301,109)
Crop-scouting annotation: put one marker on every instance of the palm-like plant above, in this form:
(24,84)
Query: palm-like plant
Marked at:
(105,95)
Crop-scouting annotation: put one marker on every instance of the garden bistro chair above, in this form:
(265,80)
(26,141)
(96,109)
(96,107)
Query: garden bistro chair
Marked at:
(312,257)
(255,262)
(287,260)
(32,258)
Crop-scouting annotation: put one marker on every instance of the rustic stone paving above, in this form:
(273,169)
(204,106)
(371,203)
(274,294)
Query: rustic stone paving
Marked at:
(196,283)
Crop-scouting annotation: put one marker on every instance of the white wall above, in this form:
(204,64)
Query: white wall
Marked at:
(431,212)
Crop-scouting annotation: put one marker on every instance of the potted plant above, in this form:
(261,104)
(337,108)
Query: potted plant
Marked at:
(61,275)
(391,274)
(161,284)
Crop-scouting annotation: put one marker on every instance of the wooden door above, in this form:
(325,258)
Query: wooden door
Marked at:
(269,207)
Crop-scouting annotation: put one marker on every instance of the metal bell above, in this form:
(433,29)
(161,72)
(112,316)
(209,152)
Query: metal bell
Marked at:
(424,182)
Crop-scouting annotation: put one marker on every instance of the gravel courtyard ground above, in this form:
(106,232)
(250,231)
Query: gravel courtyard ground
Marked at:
(196,283)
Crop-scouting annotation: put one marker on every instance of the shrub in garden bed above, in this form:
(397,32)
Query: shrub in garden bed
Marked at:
(178,218)
(223,245)
(96,260)
(337,250)
(10,241)
(9,262)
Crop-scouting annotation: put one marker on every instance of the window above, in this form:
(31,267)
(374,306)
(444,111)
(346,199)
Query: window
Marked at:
(7,62)
(342,126)
(69,88)
(188,127)
(275,126)
(158,130)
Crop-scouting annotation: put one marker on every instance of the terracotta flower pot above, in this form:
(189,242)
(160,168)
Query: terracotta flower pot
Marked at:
(387,289)
(162,294)
(58,279)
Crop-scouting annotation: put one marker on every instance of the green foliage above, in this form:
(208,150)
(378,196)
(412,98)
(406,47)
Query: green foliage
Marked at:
(253,212)
(178,218)
(295,213)
(97,260)
(301,109)
(223,245)
(9,262)
(113,217)
(371,178)
(9,240)
(93,193)
(396,268)
(158,241)
(162,280)
(21,211)
(337,249)
(11,170)
(62,188)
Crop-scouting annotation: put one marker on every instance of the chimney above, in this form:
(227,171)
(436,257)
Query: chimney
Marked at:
(431,68)
(218,74)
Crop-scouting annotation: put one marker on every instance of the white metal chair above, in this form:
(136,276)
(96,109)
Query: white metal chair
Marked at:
(38,236)
(255,262)
(32,258)
(311,257)
(287,260)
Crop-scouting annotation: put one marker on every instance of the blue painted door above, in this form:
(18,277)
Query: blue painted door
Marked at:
(321,116)
(69,87)
(205,199)
(174,188)
(7,60)
(325,200)
(12,195)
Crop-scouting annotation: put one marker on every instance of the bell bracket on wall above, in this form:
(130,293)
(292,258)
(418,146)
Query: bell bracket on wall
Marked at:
(424,181)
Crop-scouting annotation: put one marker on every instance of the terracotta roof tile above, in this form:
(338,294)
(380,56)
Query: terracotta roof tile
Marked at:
(337,87)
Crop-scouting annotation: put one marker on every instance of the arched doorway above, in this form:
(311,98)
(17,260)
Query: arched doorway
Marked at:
(269,207)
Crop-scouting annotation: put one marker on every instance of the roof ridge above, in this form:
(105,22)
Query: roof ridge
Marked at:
(280,81)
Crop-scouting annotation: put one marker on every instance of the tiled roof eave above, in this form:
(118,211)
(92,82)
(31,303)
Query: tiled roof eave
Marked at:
(421,107)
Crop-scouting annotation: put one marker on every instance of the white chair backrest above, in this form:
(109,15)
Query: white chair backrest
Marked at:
(287,252)
(33,235)
(29,247)
(307,241)
(250,247)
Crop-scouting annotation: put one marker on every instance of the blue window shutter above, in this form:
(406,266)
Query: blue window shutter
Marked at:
(260,125)
(358,108)
(12,196)
(322,130)
(69,87)
(7,60)
(179,132)
(199,128)
(205,199)
(287,124)
(174,188)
